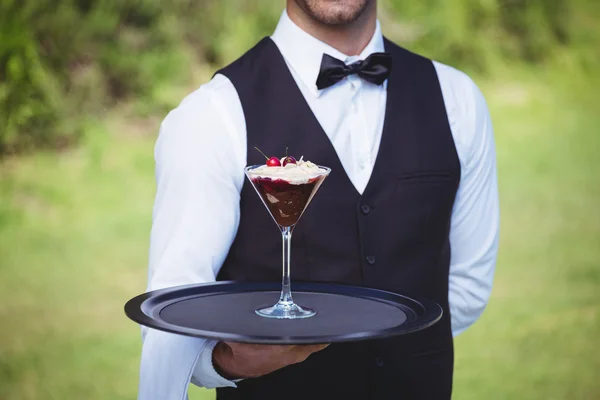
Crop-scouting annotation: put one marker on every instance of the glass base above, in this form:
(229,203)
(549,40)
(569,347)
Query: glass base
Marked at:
(286,311)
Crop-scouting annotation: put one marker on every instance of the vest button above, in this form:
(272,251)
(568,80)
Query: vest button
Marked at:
(365,209)
(379,362)
(370,260)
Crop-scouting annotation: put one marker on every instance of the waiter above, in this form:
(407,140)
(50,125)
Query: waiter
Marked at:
(411,205)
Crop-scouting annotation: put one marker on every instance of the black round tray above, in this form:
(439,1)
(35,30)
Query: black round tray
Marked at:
(225,311)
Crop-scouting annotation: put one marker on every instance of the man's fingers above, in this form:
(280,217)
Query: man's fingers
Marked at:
(312,348)
(301,353)
(299,350)
(246,347)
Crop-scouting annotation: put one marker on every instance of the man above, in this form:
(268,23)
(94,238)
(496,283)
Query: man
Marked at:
(411,205)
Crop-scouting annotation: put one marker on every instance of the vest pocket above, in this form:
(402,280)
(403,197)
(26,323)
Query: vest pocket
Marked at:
(425,176)
(430,353)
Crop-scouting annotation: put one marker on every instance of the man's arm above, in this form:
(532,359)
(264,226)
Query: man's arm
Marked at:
(475,219)
(200,158)
(199,174)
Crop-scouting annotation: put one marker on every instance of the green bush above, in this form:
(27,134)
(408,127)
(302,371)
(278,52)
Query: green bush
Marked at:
(62,61)
(478,33)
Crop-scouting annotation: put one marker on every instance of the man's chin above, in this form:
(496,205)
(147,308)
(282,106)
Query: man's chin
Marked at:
(334,12)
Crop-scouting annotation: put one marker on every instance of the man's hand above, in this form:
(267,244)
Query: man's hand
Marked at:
(238,360)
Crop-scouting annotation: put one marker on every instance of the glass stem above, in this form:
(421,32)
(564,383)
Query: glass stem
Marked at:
(286,290)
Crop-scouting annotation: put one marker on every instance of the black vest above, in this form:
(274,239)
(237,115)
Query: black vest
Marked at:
(393,237)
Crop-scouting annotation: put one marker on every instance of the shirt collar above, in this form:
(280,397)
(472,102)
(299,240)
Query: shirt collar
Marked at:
(303,52)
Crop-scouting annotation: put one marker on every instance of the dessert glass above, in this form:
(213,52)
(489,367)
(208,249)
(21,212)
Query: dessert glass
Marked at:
(286,198)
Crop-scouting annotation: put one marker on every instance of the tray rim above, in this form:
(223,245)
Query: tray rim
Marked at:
(136,310)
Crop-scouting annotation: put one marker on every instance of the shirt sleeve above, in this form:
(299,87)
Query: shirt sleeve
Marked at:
(205,374)
(199,175)
(475,219)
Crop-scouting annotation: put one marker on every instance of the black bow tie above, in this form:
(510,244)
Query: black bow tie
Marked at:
(375,69)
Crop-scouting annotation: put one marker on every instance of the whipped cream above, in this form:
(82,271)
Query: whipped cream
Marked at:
(296,174)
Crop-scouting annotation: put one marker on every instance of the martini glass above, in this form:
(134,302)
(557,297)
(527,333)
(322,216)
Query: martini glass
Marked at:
(286,202)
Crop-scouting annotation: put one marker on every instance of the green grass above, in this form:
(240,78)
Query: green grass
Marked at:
(538,338)
(74,233)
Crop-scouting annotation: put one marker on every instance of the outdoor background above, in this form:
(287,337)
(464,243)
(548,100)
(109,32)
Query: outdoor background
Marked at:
(84,85)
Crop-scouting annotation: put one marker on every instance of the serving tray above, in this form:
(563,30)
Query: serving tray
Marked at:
(226,311)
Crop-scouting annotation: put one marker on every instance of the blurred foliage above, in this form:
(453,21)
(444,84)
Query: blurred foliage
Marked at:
(476,34)
(64,61)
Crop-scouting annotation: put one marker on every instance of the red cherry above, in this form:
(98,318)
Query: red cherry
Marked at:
(289,160)
(273,162)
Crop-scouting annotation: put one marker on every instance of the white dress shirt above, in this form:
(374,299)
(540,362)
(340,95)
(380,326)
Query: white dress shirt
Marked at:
(200,156)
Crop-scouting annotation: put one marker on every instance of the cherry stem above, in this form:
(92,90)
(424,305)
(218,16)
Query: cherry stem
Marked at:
(262,153)
(286,152)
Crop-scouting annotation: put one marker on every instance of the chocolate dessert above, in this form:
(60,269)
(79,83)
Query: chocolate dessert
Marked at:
(286,201)
(286,186)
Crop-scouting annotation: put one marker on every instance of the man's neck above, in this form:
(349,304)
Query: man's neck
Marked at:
(349,39)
